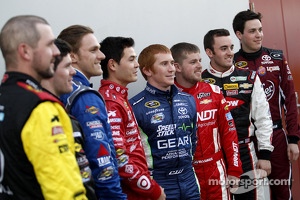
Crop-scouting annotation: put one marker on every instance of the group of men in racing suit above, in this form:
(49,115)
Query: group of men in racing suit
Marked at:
(250,109)
(233,121)
(216,158)
(119,69)
(167,119)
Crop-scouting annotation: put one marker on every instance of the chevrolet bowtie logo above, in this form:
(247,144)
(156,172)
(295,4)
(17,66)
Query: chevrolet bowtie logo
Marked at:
(55,118)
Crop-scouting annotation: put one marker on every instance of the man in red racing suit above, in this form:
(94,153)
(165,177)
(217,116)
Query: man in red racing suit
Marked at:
(132,165)
(216,129)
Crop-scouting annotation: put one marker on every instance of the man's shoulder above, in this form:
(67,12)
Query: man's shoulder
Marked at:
(81,93)
(276,54)
(35,94)
(137,98)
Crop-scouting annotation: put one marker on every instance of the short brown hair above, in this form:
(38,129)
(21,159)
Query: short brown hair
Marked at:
(73,35)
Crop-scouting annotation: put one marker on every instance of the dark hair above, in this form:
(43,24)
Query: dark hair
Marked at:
(113,48)
(73,35)
(64,48)
(208,40)
(242,17)
(180,50)
(19,29)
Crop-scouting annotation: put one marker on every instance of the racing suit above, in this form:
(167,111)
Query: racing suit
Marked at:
(89,109)
(216,135)
(167,120)
(36,144)
(277,80)
(250,110)
(82,161)
(81,158)
(136,181)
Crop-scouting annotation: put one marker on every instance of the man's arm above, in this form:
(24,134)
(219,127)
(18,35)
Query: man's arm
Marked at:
(49,145)
(260,112)
(127,152)
(91,113)
(290,106)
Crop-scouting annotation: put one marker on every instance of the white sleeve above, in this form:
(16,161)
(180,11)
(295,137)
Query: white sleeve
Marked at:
(260,112)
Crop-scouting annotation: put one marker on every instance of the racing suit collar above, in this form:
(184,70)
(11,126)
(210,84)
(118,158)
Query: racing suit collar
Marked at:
(187,90)
(13,77)
(123,91)
(153,90)
(218,74)
(79,76)
(251,56)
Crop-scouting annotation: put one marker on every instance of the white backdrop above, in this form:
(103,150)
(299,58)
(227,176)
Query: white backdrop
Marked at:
(147,22)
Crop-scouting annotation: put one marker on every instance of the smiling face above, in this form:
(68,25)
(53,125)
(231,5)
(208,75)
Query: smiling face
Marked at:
(252,37)
(189,71)
(221,57)
(126,71)
(163,71)
(89,56)
(62,79)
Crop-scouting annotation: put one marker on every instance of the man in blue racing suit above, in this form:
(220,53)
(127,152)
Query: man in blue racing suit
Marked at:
(88,107)
(167,118)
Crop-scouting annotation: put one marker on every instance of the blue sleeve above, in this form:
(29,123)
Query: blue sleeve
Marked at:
(194,133)
(90,111)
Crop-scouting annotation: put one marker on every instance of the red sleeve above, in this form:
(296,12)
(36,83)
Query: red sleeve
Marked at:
(290,104)
(229,139)
(132,163)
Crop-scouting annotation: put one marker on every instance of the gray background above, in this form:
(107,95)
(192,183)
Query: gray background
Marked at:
(147,22)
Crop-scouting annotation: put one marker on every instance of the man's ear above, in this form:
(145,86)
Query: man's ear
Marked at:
(74,57)
(238,35)
(209,52)
(112,64)
(147,72)
(177,67)
(25,51)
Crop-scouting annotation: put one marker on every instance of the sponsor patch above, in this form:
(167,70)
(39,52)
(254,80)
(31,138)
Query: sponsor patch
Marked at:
(246,85)
(238,78)
(63,148)
(57,130)
(97,135)
(269,89)
(129,169)
(232,92)
(92,109)
(112,113)
(182,111)
(228,116)
(206,101)
(106,174)
(156,118)
(241,64)
(261,71)
(144,183)
(152,104)
(273,68)
(230,86)
(209,80)
(203,94)
(94,124)
(122,160)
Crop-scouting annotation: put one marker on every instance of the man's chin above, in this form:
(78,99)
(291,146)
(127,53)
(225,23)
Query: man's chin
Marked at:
(47,75)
